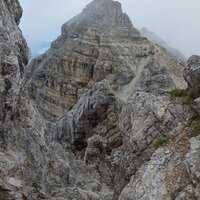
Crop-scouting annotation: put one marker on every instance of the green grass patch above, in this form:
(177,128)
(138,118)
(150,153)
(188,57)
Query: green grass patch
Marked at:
(3,198)
(36,186)
(104,89)
(179,92)
(160,142)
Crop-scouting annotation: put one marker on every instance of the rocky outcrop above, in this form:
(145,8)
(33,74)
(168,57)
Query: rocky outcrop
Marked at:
(193,167)
(192,73)
(32,166)
(18,136)
(104,90)
(196,106)
(98,44)
(147,122)
(13,58)
(192,158)
(95,113)
(82,55)
(107,126)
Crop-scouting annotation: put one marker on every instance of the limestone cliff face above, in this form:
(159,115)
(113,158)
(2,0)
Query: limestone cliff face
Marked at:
(98,44)
(32,166)
(13,58)
(82,55)
(109,124)
(192,73)
(19,137)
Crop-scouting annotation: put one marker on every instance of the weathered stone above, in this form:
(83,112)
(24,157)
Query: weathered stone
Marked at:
(95,113)
(105,90)
(161,178)
(99,44)
(193,158)
(144,120)
(196,106)
(84,53)
(192,75)
(13,58)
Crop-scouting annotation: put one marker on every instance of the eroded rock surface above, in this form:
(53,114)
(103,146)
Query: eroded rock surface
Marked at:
(98,44)
(17,116)
(13,58)
(95,113)
(192,75)
(105,125)
(32,167)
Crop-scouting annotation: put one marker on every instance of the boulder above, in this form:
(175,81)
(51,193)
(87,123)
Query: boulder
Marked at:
(196,106)
(192,75)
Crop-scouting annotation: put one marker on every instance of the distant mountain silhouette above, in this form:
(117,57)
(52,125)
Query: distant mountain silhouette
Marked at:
(153,37)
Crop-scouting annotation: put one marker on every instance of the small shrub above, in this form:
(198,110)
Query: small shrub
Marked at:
(196,128)
(36,186)
(3,198)
(188,99)
(179,92)
(104,89)
(160,142)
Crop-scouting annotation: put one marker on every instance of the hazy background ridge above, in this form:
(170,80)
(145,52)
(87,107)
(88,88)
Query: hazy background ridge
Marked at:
(175,21)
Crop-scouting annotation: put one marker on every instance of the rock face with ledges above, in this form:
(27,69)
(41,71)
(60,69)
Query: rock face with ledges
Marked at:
(191,73)
(13,58)
(84,53)
(98,44)
(104,89)
(95,113)
(107,126)
(19,137)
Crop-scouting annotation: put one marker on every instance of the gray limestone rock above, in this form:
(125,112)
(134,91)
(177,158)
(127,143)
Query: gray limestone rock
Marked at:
(193,160)
(111,132)
(145,121)
(21,127)
(99,44)
(196,106)
(95,113)
(163,177)
(84,53)
(192,75)
(31,166)
(14,55)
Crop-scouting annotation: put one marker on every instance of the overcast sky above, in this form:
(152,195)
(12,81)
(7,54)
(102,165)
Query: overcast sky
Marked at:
(175,21)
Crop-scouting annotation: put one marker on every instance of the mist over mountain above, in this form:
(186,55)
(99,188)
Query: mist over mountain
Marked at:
(103,114)
(156,39)
(175,27)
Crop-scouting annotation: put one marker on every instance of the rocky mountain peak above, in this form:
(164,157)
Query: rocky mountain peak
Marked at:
(99,44)
(119,116)
(101,17)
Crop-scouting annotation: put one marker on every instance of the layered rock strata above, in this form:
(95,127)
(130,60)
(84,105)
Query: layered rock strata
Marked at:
(107,126)
(98,44)
(191,74)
